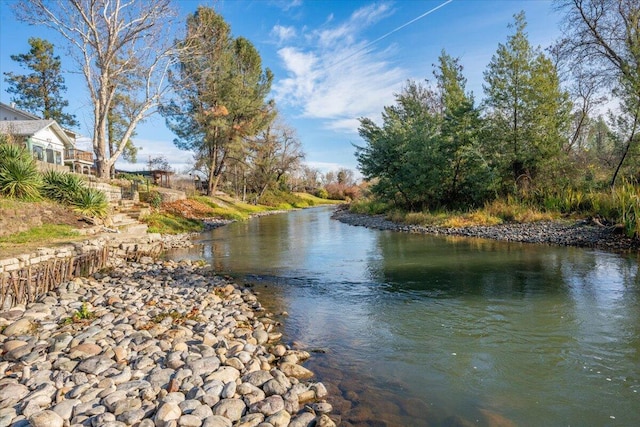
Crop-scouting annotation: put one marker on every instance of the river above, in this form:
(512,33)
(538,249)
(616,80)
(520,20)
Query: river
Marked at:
(418,330)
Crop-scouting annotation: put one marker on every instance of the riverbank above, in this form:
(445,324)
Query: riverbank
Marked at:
(581,233)
(152,343)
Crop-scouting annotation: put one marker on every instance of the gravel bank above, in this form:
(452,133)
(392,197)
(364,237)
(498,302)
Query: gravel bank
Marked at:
(581,233)
(155,343)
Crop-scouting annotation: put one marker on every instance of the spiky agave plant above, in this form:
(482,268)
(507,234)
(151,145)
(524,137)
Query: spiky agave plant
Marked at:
(19,177)
(91,202)
(61,186)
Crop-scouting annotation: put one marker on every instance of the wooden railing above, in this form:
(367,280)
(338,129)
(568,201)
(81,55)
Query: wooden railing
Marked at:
(80,155)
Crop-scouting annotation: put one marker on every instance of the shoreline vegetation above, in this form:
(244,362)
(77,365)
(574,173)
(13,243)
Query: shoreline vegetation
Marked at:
(198,213)
(42,223)
(587,233)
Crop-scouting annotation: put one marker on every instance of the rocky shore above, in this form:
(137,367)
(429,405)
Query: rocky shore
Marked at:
(581,233)
(152,343)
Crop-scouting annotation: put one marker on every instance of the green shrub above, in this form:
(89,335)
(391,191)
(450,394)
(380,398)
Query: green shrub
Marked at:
(154,199)
(19,177)
(322,193)
(63,187)
(369,206)
(91,202)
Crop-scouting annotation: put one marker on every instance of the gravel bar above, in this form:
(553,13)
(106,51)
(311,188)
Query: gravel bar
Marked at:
(582,233)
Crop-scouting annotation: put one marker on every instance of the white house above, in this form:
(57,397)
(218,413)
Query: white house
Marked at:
(52,146)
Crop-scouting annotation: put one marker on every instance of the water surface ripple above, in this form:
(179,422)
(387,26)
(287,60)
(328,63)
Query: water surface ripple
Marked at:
(428,331)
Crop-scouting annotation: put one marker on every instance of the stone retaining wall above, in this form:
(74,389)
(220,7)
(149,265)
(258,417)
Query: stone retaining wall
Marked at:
(118,246)
(112,192)
(26,277)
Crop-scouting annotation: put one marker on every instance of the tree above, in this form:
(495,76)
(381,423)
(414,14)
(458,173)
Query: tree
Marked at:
(308,179)
(466,174)
(604,35)
(427,154)
(117,124)
(275,153)
(114,42)
(160,163)
(403,156)
(527,110)
(220,89)
(40,92)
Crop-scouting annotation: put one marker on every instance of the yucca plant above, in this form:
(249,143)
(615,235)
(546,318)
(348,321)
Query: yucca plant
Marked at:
(61,186)
(19,177)
(91,202)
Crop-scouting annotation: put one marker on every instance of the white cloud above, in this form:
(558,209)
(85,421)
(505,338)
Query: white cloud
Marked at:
(283,33)
(344,125)
(371,14)
(325,167)
(337,77)
(287,5)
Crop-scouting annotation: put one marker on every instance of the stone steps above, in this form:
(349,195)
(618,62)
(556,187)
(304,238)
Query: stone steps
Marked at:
(126,215)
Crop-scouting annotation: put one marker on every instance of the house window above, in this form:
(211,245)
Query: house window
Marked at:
(38,152)
(58,157)
(49,155)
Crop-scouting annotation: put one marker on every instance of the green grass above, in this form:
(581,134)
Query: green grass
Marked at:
(236,211)
(496,212)
(7,203)
(41,233)
(166,223)
(369,207)
(228,208)
(318,200)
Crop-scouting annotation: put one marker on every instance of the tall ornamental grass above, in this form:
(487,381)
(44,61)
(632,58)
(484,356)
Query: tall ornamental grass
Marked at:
(19,177)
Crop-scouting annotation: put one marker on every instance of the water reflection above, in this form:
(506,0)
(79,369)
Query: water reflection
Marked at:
(424,330)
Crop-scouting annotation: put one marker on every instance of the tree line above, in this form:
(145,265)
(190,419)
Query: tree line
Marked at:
(210,86)
(539,131)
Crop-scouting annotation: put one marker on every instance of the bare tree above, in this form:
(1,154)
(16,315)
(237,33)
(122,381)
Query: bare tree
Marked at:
(115,42)
(604,35)
(274,153)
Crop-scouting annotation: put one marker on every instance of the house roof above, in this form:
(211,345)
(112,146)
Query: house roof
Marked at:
(29,128)
(24,127)
(32,117)
(20,112)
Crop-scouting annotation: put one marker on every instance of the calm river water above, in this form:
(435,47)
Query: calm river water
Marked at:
(432,331)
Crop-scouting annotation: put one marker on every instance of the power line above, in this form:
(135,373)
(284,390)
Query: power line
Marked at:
(384,36)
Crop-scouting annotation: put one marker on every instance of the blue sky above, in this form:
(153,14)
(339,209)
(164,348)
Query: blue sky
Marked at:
(329,69)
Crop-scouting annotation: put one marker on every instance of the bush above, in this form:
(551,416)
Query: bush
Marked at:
(91,202)
(19,178)
(154,199)
(342,192)
(369,206)
(62,186)
(322,193)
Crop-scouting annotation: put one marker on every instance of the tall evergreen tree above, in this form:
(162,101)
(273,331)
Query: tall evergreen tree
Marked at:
(221,93)
(527,110)
(467,177)
(427,153)
(40,91)
(403,157)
